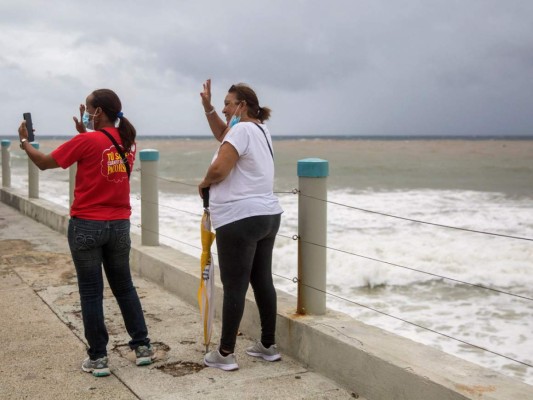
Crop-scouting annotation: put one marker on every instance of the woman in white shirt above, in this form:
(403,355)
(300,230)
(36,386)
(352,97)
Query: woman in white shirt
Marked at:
(246,216)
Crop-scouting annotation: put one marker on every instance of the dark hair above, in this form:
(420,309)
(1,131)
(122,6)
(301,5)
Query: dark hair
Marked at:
(110,104)
(247,94)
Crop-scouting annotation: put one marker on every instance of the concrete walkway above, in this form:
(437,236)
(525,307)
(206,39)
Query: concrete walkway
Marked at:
(43,344)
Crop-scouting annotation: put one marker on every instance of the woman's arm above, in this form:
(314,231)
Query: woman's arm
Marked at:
(43,161)
(217,124)
(221,167)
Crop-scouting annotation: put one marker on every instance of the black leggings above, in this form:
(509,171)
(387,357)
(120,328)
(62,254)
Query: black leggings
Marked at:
(245,257)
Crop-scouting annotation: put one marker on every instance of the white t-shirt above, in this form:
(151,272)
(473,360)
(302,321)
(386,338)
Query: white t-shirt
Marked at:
(248,189)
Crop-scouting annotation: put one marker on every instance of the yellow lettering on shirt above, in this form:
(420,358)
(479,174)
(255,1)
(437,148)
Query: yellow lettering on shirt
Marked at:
(114,168)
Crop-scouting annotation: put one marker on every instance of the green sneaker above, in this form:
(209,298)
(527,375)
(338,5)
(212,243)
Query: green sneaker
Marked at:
(97,367)
(144,355)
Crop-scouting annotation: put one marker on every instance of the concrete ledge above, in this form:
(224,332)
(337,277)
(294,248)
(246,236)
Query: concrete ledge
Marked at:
(369,361)
(43,211)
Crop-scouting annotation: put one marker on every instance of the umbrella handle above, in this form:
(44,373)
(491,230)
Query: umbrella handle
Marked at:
(205,196)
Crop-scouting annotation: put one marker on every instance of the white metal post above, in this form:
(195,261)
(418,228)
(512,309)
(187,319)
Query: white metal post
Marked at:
(72,182)
(312,232)
(149,197)
(33,176)
(6,163)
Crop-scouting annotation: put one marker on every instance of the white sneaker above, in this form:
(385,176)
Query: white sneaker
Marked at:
(258,350)
(216,360)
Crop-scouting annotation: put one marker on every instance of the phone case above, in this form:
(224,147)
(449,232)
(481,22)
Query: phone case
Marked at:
(29,126)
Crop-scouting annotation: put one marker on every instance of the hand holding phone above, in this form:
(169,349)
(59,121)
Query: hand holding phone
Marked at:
(29,126)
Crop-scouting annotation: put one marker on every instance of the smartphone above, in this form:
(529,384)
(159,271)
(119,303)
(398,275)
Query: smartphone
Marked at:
(29,126)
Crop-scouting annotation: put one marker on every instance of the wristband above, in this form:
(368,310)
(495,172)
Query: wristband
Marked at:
(210,112)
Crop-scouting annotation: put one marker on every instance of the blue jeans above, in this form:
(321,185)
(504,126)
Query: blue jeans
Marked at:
(245,256)
(93,243)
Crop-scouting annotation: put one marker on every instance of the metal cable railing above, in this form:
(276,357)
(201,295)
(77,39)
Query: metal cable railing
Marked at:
(417,221)
(419,271)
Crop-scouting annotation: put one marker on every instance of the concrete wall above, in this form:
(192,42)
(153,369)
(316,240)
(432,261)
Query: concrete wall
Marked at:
(369,361)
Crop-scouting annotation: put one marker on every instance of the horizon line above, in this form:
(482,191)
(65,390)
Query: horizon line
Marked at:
(358,136)
(314,137)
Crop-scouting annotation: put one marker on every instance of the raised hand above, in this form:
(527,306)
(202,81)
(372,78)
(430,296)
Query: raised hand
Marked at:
(206,96)
(79,123)
(23,131)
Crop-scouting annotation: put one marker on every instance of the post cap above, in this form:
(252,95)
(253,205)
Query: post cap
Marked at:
(313,168)
(6,142)
(149,155)
(35,145)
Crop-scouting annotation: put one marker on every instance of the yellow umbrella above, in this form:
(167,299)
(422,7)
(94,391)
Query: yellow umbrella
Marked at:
(206,291)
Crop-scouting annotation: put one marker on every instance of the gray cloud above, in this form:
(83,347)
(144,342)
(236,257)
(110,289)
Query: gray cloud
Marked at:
(339,67)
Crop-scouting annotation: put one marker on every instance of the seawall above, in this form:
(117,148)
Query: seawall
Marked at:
(374,363)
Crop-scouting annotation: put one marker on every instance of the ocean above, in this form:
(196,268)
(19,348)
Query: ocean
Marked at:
(479,184)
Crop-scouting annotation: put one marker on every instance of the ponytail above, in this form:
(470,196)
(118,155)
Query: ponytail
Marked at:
(263,113)
(127,133)
(110,104)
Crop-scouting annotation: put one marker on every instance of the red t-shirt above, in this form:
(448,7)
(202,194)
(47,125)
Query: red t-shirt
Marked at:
(102,189)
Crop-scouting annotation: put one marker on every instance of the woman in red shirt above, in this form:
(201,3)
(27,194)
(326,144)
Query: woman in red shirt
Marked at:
(99,228)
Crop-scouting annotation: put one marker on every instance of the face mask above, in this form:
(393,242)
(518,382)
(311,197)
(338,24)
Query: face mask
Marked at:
(89,124)
(235,119)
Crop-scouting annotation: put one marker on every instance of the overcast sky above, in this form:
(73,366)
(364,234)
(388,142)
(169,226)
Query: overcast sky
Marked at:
(360,67)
